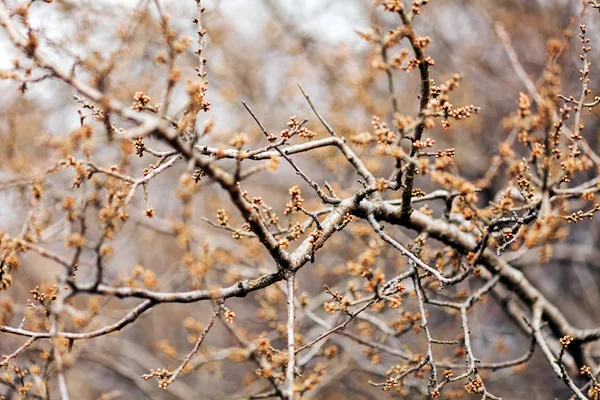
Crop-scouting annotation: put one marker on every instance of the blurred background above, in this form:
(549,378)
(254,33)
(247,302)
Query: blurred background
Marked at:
(258,51)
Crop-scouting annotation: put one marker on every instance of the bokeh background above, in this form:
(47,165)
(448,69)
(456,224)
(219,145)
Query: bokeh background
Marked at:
(258,51)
